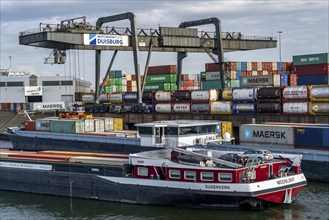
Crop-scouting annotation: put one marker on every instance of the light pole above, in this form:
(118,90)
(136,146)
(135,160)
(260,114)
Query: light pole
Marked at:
(280,32)
(9,63)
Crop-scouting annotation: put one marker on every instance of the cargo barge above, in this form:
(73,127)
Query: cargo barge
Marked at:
(154,177)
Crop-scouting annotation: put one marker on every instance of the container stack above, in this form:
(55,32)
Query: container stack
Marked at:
(161,78)
(116,82)
(244,100)
(295,100)
(181,101)
(148,100)
(201,100)
(269,100)
(131,83)
(163,101)
(311,69)
(319,100)
(190,82)
(210,79)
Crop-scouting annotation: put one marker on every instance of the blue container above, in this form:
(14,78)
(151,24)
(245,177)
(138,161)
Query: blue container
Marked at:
(279,65)
(312,80)
(243,66)
(244,108)
(118,73)
(312,137)
(238,74)
(284,80)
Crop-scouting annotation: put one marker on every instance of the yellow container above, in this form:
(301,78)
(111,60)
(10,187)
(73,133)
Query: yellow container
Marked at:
(227,127)
(319,93)
(319,108)
(117,124)
(227,94)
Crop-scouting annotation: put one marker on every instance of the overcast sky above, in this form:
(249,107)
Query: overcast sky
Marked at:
(304,25)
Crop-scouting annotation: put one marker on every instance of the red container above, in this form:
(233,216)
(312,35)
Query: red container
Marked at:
(30,125)
(254,66)
(293,80)
(167,69)
(316,69)
(212,67)
(264,66)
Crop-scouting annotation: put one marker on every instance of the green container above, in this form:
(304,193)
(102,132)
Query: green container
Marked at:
(213,84)
(203,75)
(119,88)
(166,86)
(108,88)
(164,78)
(118,81)
(308,59)
(173,86)
(67,126)
(112,81)
(157,86)
(235,83)
(112,73)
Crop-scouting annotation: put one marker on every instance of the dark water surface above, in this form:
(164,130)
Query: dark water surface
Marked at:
(312,203)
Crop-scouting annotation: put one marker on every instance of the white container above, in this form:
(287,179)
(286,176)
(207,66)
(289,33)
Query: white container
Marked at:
(108,124)
(124,82)
(276,80)
(249,66)
(233,74)
(259,66)
(205,95)
(295,92)
(103,97)
(99,125)
(244,94)
(162,96)
(182,108)
(295,107)
(274,66)
(163,108)
(89,125)
(212,76)
(88,98)
(254,73)
(321,92)
(221,107)
(116,98)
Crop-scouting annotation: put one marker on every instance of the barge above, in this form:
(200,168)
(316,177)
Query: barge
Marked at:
(154,177)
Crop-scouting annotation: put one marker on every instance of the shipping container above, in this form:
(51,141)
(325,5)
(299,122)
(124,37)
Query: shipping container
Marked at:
(244,108)
(315,69)
(319,93)
(67,126)
(319,108)
(309,59)
(99,125)
(295,92)
(200,108)
(108,124)
(147,97)
(165,69)
(269,93)
(213,84)
(235,84)
(163,78)
(227,95)
(117,124)
(163,108)
(210,95)
(103,97)
(130,97)
(89,125)
(163,96)
(116,98)
(221,107)
(88,98)
(295,108)
(181,95)
(312,80)
(293,80)
(267,134)
(212,67)
(29,125)
(213,75)
(269,107)
(154,86)
(43,124)
(244,94)
(181,108)
(251,81)
(312,137)
(227,127)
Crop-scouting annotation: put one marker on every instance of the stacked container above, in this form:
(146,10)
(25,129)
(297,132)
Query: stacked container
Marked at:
(202,99)
(244,100)
(319,100)
(295,100)
(190,82)
(210,79)
(163,101)
(116,82)
(312,69)
(161,78)
(181,101)
(269,100)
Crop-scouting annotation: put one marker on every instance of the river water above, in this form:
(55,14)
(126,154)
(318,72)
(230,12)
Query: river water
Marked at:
(312,203)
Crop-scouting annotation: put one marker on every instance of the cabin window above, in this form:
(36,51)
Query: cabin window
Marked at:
(15,84)
(206,129)
(175,174)
(50,83)
(207,176)
(67,83)
(145,130)
(225,177)
(171,131)
(188,130)
(143,171)
(189,175)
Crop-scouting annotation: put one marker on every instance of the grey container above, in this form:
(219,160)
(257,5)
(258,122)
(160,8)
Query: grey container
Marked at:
(43,124)
(67,126)
(269,93)
(251,81)
(267,134)
(200,108)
